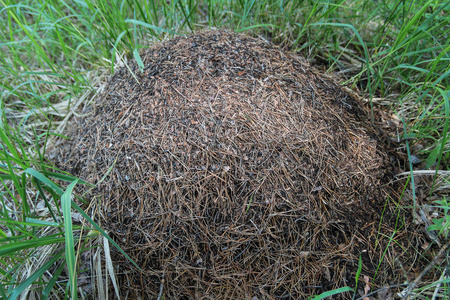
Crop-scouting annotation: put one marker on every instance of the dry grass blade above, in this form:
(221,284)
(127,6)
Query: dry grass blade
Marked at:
(98,275)
(109,266)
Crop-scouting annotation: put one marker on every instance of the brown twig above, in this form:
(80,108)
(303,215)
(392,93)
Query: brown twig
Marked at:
(161,289)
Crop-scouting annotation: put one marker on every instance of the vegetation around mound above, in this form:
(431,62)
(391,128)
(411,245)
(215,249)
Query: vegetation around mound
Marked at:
(56,57)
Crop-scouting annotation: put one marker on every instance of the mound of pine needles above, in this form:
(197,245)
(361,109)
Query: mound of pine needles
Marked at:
(235,171)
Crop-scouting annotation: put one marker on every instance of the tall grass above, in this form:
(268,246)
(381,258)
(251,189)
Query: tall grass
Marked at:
(56,54)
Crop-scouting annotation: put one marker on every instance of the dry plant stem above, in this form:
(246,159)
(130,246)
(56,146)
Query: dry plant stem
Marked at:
(436,290)
(161,289)
(413,284)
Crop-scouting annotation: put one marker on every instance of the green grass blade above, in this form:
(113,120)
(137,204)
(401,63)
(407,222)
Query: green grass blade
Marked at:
(52,282)
(156,28)
(45,180)
(138,59)
(65,177)
(333,292)
(37,222)
(358,272)
(66,201)
(17,246)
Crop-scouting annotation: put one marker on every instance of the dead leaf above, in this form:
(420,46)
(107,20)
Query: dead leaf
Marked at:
(367,287)
(425,246)
(327,274)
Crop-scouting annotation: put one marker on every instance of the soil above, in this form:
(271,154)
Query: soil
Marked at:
(237,171)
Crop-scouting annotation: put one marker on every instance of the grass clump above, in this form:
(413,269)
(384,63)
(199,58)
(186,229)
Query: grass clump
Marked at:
(55,55)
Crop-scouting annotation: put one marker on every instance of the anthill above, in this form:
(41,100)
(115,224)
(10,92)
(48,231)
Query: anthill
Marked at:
(237,172)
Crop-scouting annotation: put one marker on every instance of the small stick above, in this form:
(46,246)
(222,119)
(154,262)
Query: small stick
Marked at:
(436,290)
(161,288)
